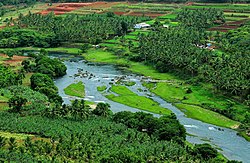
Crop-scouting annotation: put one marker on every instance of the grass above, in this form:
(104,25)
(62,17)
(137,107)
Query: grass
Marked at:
(108,45)
(102,88)
(201,96)
(129,83)
(75,89)
(207,116)
(127,97)
(26,80)
(15,135)
(99,55)
(172,91)
(3,99)
(132,37)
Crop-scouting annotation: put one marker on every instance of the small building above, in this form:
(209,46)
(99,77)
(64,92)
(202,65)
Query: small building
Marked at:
(141,25)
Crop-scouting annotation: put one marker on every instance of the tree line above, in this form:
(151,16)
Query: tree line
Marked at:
(91,28)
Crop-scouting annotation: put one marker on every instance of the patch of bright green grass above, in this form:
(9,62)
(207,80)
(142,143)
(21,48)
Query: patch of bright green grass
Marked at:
(102,88)
(201,96)
(127,97)
(114,41)
(75,89)
(3,99)
(4,106)
(108,45)
(207,116)
(132,37)
(169,91)
(102,56)
(129,83)
(64,50)
(168,16)
(14,135)
(26,80)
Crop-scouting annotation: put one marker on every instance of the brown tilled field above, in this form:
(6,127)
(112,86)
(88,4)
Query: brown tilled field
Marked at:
(229,26)
(14,61)
(62,8)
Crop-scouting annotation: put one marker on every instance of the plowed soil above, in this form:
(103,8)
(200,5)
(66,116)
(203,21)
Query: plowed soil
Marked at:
(14,61)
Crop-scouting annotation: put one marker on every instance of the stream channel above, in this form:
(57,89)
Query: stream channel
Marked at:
(225,140)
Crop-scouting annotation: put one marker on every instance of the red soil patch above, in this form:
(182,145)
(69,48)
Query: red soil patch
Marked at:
(15,60)
(218,29)
(228,26)
(239,22)
(74,5)
(62,8)
(119,13)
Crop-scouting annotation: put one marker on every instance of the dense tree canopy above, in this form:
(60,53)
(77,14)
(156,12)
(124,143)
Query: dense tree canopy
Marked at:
(8,77)
(13,37)
(183,49)
(44,84)
(88,28)
(96,139)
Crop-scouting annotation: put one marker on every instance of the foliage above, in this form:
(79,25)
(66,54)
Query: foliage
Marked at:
(51,67)
(45,65)
(14,37)
(205,151)
(87,28)
(78,110)
(200,18)
(102,109)
(24,100)
(16,103)
(97,139)
(44,84)
(176,50)
(8,77)
(163,128)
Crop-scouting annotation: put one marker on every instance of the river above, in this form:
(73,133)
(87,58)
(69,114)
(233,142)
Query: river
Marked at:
(225,140)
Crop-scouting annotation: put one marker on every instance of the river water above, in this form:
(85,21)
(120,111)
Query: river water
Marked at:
(225,140)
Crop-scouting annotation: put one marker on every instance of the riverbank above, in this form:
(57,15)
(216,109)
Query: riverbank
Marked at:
(169,87)
(127,97)
(173,90)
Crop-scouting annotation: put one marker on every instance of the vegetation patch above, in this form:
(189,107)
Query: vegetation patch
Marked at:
(130,83)
(14,135)
(75,89)
(101,88)
(207,116)
(127,97)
